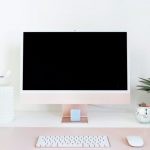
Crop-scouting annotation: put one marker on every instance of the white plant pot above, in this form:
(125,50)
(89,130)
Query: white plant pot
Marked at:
(6,104)
(143,114)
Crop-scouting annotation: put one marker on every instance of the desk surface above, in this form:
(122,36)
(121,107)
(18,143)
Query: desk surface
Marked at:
(25,138)
(98,118)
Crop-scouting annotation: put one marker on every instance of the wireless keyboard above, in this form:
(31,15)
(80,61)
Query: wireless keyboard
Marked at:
(72,142)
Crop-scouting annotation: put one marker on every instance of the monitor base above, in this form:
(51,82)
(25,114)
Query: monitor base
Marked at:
(66,115)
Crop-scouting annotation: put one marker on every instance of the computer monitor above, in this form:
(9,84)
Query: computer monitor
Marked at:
(75,68)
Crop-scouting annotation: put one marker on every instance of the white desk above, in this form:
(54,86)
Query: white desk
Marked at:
(99,118)
(115,123)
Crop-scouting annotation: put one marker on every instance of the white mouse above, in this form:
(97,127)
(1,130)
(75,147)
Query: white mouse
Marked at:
(135,141)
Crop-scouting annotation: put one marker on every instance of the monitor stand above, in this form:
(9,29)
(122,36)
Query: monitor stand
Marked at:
(66,114)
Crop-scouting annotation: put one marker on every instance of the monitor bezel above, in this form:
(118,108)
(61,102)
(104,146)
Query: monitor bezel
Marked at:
(27,96)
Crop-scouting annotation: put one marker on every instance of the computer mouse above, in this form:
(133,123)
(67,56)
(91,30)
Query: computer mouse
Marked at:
(135,141)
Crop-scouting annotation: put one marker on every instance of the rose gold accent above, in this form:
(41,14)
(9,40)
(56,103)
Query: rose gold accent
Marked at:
(66,118)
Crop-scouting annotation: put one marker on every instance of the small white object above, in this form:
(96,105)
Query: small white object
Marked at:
(6,104)
(75,115)
(135,141)
(143,114)
(73,142)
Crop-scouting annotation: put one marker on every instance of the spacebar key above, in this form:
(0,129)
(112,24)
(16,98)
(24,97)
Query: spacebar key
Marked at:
(69,145)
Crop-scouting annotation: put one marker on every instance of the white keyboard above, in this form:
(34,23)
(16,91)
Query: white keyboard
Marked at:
(72,142)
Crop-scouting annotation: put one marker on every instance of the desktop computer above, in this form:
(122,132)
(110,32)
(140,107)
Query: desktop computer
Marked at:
(75,69)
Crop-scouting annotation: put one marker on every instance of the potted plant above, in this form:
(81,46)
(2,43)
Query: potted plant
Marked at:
(143,110)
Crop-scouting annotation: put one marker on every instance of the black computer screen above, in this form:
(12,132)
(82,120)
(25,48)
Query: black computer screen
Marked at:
(75,61)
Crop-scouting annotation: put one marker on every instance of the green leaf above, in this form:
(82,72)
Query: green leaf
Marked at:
(145,85)
(145,80)
(144,89)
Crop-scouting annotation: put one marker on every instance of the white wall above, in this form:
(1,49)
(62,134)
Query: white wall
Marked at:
(81,15)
